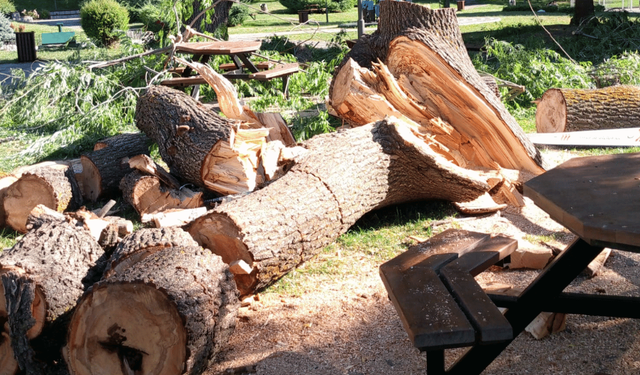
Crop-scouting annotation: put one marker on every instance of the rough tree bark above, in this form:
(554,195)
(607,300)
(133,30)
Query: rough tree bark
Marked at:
(43,276)
(563,110)
(5,182)
(107,164)
(54,187)
(169,313)
(275,229)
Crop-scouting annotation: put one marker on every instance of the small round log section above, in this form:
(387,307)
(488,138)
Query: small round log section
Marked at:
(284,224)
(5,182)
(565,110)
(51,187)
(143,243)
(183,129)
(148,195)
(43,276)
(103,168)
(170,313)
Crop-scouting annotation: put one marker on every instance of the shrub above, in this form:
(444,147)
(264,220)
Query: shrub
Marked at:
(7,7)
(151,16)
(333,5)
(44,14)
(100,20)
(6,31)
(237,15)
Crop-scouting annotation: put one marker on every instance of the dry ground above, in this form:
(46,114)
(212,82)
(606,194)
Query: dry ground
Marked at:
(345,324)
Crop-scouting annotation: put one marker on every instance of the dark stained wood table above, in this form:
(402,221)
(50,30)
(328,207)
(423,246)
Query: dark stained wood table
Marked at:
(598,199)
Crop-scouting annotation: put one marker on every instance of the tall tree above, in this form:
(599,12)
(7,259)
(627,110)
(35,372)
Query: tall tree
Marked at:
(583,10)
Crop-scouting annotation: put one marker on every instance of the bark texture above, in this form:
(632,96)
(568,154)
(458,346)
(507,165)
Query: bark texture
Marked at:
(184,130)
(563,110)
(148,195)
(143,243)
(43,276)
(5,182)
(102,169)
(170,313)
(275,229)
(53,187)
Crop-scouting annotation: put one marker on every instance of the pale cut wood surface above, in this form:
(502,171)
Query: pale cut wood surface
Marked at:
(219,48)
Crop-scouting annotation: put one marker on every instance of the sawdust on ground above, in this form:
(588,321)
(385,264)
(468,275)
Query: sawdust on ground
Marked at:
(347,325)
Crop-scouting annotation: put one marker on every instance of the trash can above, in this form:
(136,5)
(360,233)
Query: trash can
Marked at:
(26,46)
(303,16)
(460,5)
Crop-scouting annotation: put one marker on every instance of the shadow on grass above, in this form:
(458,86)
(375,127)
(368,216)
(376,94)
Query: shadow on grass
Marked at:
(404,213)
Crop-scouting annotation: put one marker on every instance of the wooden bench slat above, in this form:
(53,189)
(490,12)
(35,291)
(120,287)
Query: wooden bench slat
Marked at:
(184,81)
(449,241)
(260,65)
(428,312)
(490,324)
(276,72)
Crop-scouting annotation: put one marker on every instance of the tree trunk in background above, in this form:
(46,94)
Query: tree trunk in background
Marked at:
(43,276)
(169,313)
(563,110)
(583,10)
(277,228)
(218,19)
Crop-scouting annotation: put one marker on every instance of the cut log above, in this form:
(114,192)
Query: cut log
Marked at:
(563,110)
(43,276)
(103,169)
(415,67)
(169,313)
(52,187)
(148,195)
(275,229)
(143,243)
(5,182)
(199,146)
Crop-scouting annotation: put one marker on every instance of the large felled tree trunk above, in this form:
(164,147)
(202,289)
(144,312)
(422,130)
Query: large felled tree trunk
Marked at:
(169,313)
(275,229)
(427,77)
(562,110)
(43,276)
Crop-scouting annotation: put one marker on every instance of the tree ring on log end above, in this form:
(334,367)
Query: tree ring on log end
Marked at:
(92,181)
(139,331)
(551,114)
(18,203)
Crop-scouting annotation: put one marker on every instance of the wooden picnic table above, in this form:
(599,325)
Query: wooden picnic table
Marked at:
(240,52)
(597,198)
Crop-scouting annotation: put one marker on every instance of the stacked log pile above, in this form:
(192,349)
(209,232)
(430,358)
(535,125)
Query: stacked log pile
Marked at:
(425,126)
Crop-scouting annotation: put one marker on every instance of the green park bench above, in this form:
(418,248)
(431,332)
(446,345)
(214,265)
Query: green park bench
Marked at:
(61,37)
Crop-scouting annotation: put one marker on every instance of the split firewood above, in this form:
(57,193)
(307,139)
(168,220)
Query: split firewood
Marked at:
(105,209)
(278,129)
(596,265)
(147,194)
(102,169)
(143,243)
(565,110)
(125,227)
(428,80)
(173,217)
(53,187)
(169,313)
(146,165)
(43,276)
(287,222)
(547,323)
(213,153)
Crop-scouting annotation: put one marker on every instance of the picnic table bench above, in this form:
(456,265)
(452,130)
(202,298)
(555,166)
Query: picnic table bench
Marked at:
(440,304)
(241,68)
(61,37)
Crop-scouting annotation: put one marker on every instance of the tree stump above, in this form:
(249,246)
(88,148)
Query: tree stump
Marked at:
(169,313)
(564,110)
(43,276)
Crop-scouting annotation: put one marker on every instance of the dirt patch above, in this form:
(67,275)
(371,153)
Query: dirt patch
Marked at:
(345,324)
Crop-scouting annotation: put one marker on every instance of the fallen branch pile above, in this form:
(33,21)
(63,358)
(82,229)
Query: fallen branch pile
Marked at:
(426,126)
